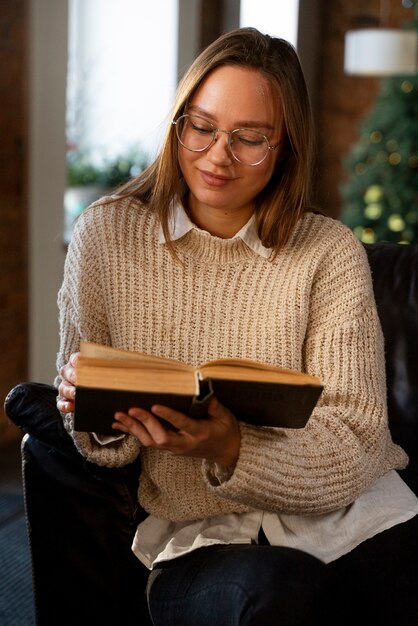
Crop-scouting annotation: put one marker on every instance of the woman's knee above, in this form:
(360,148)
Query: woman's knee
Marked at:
(246,586)
(288,587)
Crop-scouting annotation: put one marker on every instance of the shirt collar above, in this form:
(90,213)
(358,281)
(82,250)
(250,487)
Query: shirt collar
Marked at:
(180,224)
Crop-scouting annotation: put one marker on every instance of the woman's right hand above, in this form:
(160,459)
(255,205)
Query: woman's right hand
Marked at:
(66,389)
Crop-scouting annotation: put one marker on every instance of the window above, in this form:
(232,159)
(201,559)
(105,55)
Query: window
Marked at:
(269,16)
(122,74)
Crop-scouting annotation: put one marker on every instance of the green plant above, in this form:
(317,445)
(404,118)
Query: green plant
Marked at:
(83,170)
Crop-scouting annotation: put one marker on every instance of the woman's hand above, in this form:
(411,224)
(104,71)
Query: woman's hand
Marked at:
(216,438)
(66,389)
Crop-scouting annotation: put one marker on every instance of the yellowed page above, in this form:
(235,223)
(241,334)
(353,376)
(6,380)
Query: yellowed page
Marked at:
(132,379)
(126,357)
(244,369)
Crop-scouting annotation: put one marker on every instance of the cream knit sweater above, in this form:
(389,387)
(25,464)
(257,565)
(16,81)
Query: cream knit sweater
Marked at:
(311,309)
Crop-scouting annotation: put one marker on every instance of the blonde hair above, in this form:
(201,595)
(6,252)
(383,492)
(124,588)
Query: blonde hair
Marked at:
(286,196)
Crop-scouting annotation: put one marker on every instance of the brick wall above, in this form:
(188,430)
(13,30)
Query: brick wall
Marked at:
(13,199)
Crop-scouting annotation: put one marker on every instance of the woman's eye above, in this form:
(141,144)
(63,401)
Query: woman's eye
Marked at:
(250,140)
(204,130)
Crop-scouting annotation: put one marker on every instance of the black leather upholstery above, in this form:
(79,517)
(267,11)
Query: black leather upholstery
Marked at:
(395,281)
(82,518)
(81,522)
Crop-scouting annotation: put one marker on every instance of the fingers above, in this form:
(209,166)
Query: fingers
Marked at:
(144,426)
(180,421)
(74,358)
(148,429)
(126,424)
(66,388)
(215,408)
(67,371)
(66,397)
(217,438)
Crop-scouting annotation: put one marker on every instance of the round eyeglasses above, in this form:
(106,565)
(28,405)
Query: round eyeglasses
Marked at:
(247,146)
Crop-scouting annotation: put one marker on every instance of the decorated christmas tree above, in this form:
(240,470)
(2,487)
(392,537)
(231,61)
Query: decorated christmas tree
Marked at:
(380,195)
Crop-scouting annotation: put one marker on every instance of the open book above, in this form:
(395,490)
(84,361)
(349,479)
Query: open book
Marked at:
(110,380)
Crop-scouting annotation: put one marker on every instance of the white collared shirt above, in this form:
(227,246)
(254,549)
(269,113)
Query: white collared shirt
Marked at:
(328,536)
(180,224)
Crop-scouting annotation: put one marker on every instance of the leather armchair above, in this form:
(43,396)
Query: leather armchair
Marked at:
(82,517)
(395,281)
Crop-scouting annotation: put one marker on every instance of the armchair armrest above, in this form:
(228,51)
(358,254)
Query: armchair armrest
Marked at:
(81,521)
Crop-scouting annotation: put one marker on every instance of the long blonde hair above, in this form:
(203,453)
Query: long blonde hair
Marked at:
(282,202)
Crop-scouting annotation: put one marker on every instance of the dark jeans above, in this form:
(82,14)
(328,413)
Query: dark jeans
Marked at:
(249,585)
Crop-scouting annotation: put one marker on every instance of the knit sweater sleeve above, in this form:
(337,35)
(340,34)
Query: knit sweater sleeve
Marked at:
(82,316)
(346,445)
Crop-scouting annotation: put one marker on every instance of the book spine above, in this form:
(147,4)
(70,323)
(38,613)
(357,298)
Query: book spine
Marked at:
(199,405)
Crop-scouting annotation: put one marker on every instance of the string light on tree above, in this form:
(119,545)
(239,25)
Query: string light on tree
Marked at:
(380,193)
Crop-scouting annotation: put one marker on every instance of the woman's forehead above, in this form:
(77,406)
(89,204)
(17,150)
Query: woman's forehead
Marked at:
(239,93)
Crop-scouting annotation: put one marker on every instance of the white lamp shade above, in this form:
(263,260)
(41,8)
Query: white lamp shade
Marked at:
(381,52)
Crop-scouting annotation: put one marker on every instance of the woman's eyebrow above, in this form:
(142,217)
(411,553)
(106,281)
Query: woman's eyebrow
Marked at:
(240,124)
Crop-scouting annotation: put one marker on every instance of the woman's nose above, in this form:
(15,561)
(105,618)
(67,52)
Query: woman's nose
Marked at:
(220,152)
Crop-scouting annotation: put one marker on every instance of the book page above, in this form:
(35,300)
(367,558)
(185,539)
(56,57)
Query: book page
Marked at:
(97,355)
(133,379)
(244,369)
(126,358)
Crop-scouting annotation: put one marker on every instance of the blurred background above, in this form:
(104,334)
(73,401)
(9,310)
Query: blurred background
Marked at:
(85,92)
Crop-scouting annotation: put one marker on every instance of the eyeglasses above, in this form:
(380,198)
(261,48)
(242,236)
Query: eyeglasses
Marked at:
(247,146)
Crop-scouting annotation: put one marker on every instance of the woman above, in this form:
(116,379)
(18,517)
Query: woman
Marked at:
(215,252)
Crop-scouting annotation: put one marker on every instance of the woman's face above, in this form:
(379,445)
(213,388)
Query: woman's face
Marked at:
(231,97)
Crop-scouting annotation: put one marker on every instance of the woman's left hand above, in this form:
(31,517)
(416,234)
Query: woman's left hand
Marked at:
(216,438)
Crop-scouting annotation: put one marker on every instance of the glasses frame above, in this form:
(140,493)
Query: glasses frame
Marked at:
(216,131)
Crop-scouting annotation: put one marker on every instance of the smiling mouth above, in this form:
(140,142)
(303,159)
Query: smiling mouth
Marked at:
(214,179)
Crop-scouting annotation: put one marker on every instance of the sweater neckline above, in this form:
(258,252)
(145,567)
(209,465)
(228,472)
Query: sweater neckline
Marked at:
(180,224)
(201,246)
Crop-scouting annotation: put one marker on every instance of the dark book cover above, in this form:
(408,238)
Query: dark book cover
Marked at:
(268,404)
(94,408)
(257,403)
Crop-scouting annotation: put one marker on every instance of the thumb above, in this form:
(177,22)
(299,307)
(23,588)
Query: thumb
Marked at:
(216,409)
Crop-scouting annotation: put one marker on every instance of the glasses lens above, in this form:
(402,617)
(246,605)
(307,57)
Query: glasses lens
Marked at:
(249,146)
(197,134)
(194,133)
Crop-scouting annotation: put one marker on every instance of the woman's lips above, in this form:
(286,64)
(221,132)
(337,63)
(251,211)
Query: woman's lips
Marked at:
(214,180)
